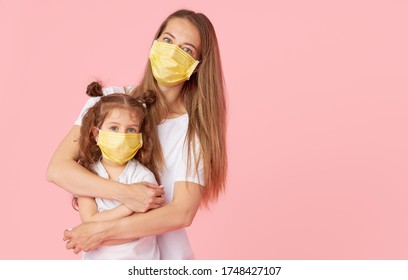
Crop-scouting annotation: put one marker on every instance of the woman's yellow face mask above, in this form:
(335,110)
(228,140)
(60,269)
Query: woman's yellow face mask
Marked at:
(170,64)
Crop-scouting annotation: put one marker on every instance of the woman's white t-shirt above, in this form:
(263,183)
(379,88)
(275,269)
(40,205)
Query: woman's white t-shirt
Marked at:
(173,245)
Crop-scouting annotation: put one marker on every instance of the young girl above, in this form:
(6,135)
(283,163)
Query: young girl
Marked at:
(111,146)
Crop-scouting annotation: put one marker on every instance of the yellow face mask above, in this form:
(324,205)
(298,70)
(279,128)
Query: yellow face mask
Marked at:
(119,147)
(170,64)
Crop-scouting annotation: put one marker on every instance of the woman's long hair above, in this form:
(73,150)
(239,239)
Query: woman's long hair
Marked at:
(204,97)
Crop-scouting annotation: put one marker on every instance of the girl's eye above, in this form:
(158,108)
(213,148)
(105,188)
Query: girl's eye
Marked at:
(131,130)
(114,128)
(167,40)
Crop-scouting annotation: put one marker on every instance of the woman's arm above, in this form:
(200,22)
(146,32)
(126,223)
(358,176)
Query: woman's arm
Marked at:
(177,214)
(65,171)
(88,211)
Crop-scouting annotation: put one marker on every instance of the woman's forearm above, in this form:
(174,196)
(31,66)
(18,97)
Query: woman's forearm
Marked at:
(109,215)
(154,222)
(177,214)
(79,181)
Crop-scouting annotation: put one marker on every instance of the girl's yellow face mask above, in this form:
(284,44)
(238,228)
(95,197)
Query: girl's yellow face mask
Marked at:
(170,64)
(119,147)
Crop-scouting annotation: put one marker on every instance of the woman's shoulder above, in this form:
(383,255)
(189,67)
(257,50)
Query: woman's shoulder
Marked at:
(117,89)
(106,91)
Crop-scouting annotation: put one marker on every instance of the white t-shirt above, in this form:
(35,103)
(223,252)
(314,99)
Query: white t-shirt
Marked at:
(174,245)
(145,248)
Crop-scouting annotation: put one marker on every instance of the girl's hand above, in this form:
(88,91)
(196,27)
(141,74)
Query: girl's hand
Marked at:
(143,196)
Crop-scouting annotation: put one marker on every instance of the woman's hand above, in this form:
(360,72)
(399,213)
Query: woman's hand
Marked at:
(86,236)
(141,197)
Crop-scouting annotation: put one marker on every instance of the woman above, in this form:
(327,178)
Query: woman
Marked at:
(189,117)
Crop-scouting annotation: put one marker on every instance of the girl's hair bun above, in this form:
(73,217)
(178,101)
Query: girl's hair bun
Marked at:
(149,98)
(94,89)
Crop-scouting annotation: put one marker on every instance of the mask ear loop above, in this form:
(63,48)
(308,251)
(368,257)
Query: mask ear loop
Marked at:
(96,136)
(142,102)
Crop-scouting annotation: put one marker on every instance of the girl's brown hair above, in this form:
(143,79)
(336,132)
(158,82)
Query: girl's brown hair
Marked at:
(204,97)
(89,151)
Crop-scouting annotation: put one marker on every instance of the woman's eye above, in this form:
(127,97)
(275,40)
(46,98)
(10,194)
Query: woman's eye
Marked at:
(114,128)
(188,50)
(131,130)
(167,40)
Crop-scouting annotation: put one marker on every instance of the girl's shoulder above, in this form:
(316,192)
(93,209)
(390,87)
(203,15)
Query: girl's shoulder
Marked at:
(139,172)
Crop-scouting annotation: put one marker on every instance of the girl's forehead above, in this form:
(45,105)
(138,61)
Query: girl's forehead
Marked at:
(123,113)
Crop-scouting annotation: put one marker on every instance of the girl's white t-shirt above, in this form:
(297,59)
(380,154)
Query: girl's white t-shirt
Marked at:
(173,245)
(145,248)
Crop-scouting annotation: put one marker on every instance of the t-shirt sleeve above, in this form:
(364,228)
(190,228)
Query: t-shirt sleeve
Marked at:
(149,177)
(187,172)
(142,174)
(91,101)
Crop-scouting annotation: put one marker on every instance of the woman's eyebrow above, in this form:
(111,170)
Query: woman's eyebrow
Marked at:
(171,35)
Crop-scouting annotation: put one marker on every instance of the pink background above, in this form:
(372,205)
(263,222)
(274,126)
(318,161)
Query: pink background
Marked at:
(318,98)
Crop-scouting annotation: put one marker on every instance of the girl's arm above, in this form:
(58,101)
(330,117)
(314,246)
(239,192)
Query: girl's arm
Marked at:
(88,211)
(177,214)
(65,171)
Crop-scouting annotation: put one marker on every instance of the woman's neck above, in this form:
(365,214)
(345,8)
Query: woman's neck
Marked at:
(114,170)
(173,99)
